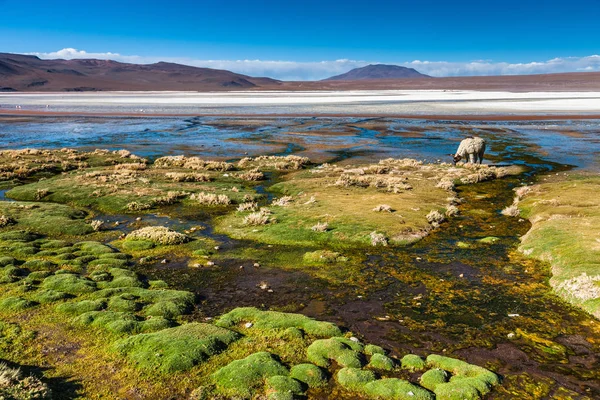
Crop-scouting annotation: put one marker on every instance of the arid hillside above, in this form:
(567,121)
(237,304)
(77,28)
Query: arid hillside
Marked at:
(23,73)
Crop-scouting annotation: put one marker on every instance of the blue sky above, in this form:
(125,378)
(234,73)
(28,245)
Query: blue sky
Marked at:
(501,36)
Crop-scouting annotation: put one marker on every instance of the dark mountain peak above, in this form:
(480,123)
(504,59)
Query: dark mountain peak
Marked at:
(17,57)
(378,71)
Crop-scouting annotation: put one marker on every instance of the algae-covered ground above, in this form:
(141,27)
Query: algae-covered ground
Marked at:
(284,278)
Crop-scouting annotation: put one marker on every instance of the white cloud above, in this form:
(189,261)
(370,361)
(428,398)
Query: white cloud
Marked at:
(294,70)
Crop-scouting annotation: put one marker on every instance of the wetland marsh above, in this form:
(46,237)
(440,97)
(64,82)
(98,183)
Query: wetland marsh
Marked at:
(281,258)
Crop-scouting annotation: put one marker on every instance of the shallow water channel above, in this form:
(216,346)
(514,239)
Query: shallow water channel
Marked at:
(449,293)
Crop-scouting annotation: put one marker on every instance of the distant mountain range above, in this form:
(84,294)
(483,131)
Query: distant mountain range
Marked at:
(378,71)
(30,73)
(23,73)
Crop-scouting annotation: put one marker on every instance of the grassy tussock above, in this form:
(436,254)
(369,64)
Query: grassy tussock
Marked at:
(194,163)
(383,208)
(138,206)
(14,386)
(252,175)
(378,239)
(389,183)
(249,206)
(40,194)
(320,227)
(435,218)
(170,198)
(282,163)
(263,217)
(211,199)
(446,184)
(6,221)
(131,166)
(511,211)
(159,235)
(187,177)
(283,201)
(97,225)
(452,211)
(25,163)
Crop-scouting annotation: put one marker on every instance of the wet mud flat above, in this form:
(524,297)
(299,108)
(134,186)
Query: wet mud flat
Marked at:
(462,291)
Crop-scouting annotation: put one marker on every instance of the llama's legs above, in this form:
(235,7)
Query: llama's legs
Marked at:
(472,158)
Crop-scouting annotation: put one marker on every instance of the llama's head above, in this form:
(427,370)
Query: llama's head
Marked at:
(455,158)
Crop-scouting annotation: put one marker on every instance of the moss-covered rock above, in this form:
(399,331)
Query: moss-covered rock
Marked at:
(243,377)
(166,309)
(80,307)
(277,320)
(123,303)
(15,304)
(38,275)
(281,386)
(462,369)
(54,244)
(10,274)
(118,322)
(456,391)
(176,349)
(309,374)
(49,296)
(37,265)
(380,361)
(137,245)
(432,378)
(91,247)
(371,349)
(468,381)
(354,379)
(182,299)
(19,236)
(69,283)
(345,352)
(5,260)
(108,262)
(412,362)
(395,389)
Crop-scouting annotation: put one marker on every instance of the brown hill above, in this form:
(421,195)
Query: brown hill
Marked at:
(562,82)
(378,71)
(30,73)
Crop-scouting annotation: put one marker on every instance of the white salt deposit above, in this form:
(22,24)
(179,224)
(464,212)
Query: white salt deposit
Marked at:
(343,102)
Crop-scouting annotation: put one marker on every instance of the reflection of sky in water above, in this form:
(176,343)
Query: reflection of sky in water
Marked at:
(212,137)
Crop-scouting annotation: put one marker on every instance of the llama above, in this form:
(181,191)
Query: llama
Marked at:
(471,149)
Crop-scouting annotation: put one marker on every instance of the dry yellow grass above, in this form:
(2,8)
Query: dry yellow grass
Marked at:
(345,198)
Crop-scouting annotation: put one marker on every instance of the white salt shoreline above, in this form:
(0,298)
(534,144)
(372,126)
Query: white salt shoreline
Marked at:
(345,102)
